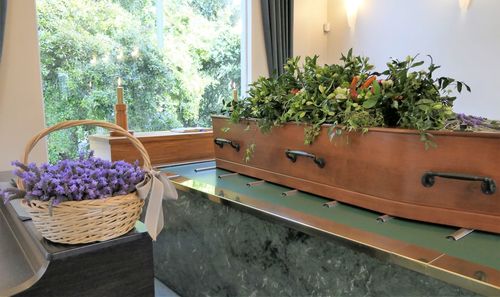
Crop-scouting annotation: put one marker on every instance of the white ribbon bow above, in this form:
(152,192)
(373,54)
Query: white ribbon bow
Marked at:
(156,187)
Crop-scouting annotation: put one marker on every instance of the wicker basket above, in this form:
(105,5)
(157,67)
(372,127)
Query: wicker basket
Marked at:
(75,222)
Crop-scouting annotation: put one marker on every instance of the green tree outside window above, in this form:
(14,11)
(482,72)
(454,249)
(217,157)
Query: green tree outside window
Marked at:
(86,45)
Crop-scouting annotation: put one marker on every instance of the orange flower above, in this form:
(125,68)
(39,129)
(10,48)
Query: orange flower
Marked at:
(354,95)
(368,82)
(352,88)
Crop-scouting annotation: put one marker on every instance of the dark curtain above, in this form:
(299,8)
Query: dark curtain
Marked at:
(3,14)
(277,17)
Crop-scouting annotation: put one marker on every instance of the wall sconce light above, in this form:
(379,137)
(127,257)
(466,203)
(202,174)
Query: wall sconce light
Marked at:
(464,5)
(351,8)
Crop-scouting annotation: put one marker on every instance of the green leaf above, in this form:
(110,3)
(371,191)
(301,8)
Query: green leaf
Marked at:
(424,107)
(370,103)
(418,64)
(424,101)
(437,106)
(376,87)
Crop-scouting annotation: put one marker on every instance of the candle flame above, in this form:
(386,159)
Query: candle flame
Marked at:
(119,81)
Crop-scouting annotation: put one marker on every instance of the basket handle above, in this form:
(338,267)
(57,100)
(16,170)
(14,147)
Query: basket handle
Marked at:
(68,124)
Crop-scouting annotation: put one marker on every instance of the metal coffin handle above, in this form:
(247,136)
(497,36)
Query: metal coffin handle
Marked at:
(488,185)
(221,141)
(292,155)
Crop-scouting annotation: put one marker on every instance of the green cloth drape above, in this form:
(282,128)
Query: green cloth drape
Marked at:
(277,16)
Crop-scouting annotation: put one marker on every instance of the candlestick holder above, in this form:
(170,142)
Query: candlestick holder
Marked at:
(120,110)
(121,118)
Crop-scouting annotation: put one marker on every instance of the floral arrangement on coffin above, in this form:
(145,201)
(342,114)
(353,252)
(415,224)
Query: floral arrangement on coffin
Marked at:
(352,96)
(86,178)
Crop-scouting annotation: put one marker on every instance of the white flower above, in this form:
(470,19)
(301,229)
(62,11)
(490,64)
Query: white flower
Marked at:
(387,83)
(341,93)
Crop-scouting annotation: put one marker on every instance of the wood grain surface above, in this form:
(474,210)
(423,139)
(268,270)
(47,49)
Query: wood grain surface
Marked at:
(163,148)
(380,170)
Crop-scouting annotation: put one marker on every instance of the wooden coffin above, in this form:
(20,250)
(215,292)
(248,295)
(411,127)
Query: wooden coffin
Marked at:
(385,170)
(164,147)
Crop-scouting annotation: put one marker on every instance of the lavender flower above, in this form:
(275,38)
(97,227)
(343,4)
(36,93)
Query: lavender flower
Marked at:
(470,120)
(85,178)
(474,123)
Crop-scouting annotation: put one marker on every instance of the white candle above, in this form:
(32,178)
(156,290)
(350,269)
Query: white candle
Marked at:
(235,91)
(119,91)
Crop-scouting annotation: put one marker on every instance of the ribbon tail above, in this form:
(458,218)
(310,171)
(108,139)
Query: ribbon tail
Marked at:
(170,192)
(144,187)
(154,213)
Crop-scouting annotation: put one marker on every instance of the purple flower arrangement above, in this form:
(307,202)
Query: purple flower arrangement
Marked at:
(472,123)
(84,178)
(470,120)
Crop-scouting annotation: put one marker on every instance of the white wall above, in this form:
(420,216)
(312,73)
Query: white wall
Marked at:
(466,45)
(308,35)
(21,109)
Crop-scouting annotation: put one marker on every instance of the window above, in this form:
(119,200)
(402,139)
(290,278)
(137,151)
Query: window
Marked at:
(176,60)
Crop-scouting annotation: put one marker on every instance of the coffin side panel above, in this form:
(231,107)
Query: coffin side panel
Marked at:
(380,170)
(435,215)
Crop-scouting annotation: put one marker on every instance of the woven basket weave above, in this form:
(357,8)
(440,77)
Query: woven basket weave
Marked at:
(75,222)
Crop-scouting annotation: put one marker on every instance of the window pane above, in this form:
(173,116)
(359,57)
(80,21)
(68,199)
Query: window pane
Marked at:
(175,59)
